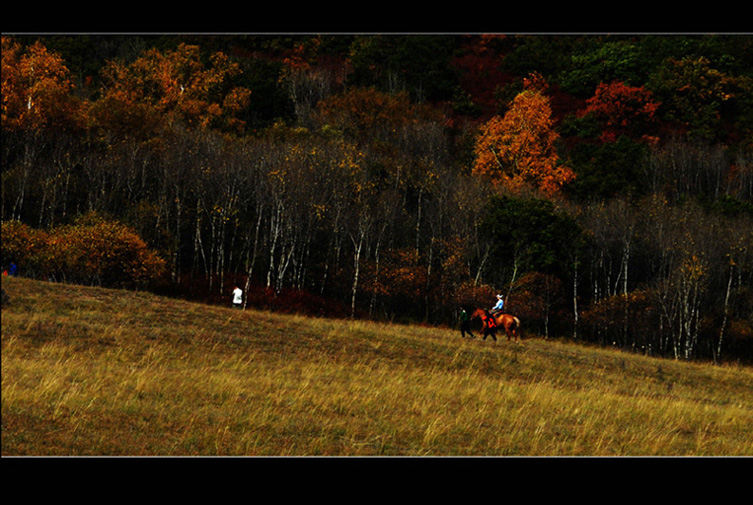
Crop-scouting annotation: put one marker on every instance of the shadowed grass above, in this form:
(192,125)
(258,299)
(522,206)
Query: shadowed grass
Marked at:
(88,371)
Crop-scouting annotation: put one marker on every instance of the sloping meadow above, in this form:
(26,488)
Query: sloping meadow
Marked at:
(91,371)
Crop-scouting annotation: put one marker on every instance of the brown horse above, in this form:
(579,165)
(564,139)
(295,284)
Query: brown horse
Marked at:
(499,321)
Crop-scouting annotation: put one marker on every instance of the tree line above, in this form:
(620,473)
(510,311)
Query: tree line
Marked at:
(603,185)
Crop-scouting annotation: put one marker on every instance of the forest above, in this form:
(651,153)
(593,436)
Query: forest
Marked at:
(603,184)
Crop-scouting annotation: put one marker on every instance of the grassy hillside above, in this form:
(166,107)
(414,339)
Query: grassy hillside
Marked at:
(89,371)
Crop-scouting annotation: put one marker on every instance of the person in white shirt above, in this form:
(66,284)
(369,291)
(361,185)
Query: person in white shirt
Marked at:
(237,298)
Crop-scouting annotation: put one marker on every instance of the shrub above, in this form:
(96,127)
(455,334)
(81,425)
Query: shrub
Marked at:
(540,301)
(630,320)
(23,245)
(92,250)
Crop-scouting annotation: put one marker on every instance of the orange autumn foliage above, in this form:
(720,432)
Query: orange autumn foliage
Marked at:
(36,88)
(171,86)
(518,149)
(401,275)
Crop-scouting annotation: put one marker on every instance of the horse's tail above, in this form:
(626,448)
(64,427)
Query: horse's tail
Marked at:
(517,326)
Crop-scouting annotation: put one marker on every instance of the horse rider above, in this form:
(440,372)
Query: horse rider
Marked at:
(498,307)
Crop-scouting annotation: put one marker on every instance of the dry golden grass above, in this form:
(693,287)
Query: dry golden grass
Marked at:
(88,371)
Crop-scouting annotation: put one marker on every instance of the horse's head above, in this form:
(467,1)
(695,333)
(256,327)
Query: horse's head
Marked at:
(478,313)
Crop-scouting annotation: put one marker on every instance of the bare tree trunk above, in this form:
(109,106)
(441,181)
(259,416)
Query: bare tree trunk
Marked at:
(718,355)
(252,261)
(176,252)
(274,231)
(575,299)
(357,265)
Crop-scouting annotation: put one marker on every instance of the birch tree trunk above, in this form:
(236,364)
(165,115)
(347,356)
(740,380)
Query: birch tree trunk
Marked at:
(358,245)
